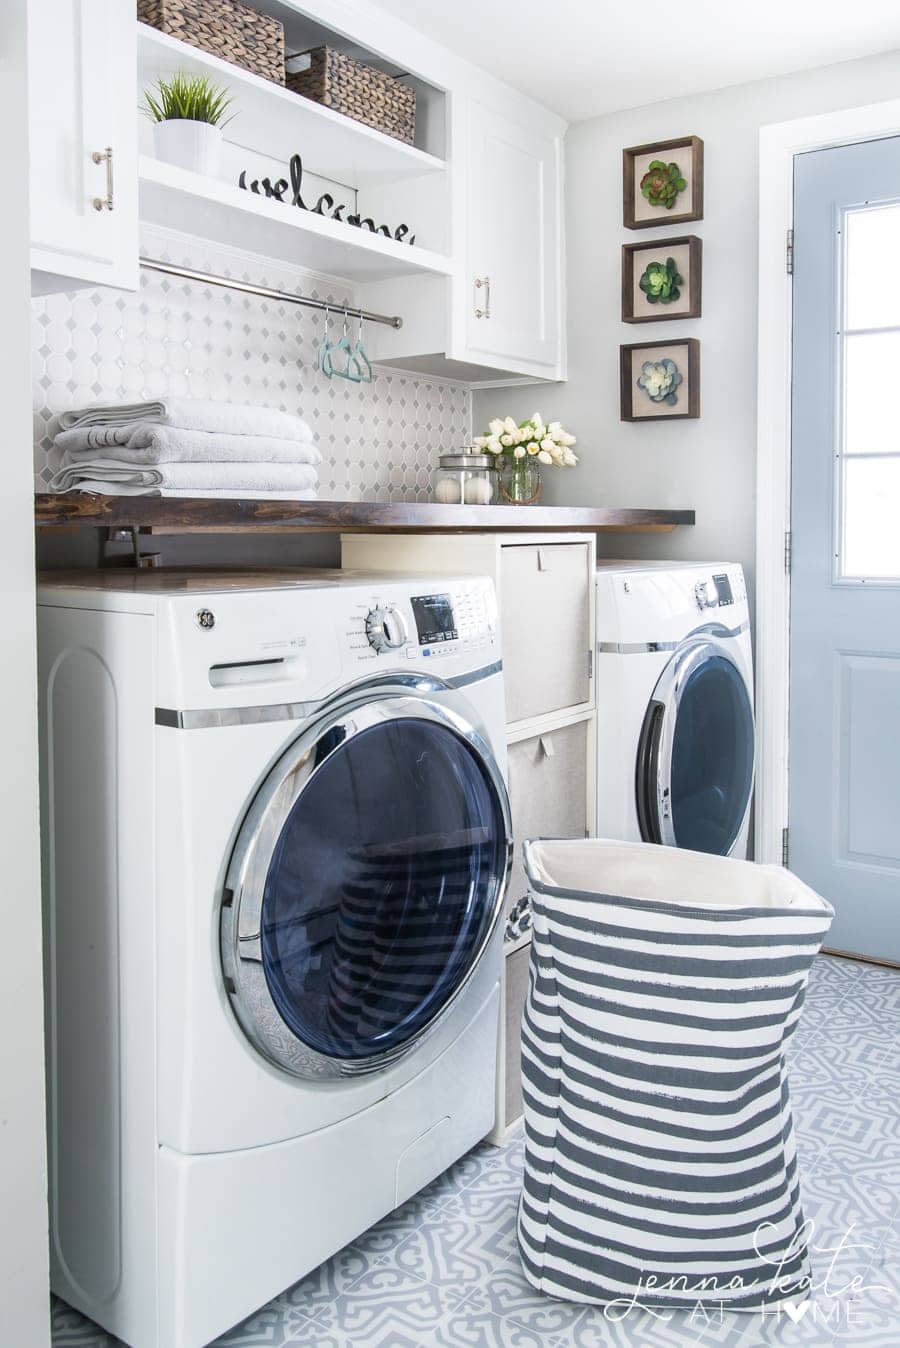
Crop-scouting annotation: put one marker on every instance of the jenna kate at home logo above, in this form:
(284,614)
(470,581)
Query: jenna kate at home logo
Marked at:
(832,1297)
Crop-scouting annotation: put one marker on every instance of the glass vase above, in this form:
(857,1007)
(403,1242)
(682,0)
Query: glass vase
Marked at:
(520,481)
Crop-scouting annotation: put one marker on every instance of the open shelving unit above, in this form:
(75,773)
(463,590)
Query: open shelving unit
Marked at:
(368,172)
(222,213)
(274,120)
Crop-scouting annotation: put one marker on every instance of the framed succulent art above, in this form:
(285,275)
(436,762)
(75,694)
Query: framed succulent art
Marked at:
(662,279)
(660,381)
(663,183)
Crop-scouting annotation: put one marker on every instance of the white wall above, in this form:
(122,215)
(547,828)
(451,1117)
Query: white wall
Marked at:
(710,463)
(23,1197)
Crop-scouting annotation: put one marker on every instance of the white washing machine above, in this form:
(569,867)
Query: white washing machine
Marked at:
(675,732)
(276,839)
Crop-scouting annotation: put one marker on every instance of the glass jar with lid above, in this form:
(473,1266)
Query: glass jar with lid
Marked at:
(466,477)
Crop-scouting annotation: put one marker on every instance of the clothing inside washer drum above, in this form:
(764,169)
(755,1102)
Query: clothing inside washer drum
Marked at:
(381,888)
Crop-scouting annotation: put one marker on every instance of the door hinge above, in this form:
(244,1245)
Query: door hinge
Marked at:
(789,253)
(785,848)
(590,664)
(788,546)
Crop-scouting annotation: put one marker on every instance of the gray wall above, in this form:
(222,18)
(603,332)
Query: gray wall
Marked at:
(24,1309)
(710,463)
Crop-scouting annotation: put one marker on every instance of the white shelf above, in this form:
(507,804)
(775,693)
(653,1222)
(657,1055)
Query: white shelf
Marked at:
(278,123)
(221,213)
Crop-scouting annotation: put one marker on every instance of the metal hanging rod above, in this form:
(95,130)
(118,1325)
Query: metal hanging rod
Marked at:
(283,296)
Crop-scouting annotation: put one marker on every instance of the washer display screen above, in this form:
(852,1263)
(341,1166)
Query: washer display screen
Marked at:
(435,620)
(723,590)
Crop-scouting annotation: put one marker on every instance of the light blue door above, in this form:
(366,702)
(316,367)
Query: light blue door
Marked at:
(844,823)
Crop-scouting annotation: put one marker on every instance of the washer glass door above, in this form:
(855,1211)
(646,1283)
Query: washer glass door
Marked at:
(367,881)
(696,753)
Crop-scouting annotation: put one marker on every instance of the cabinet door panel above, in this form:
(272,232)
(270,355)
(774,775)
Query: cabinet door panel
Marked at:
(82,72)
(513,241)
(545,598)
(548,792)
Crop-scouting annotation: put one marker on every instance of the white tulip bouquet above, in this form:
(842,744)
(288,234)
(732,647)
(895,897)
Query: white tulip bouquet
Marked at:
(549,444)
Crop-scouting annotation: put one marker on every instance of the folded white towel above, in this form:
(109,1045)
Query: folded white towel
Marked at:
(234,478)
(99,488)
(192,414)
(146,442)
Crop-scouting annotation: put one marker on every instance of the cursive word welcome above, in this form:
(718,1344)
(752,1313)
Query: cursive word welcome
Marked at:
(276,191)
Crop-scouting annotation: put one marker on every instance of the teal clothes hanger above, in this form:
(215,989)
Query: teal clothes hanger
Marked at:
(359,359)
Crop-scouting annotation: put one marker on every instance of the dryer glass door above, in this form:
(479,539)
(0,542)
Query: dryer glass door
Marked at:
(371,878)
(695,759)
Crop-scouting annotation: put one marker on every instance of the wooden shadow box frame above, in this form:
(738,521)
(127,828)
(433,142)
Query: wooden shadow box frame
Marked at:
(627,387)
(659,313)
(661,149)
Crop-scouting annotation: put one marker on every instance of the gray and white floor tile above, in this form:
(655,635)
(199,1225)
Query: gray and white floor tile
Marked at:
(443,1270)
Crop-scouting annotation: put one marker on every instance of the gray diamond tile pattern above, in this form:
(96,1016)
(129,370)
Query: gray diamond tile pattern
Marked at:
(379,441)
(443,1270)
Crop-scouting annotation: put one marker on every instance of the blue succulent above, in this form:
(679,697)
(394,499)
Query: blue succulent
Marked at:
(660,379)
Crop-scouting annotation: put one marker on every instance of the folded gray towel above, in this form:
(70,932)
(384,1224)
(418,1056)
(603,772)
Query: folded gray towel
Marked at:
(146,442)
(192,414)
(99,488)
(116,477)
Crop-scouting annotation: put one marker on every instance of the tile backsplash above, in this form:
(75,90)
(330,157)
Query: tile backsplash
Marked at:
(379,441)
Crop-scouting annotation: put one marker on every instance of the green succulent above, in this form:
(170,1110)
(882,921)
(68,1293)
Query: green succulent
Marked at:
(661,184)
(660,282)
(660,380)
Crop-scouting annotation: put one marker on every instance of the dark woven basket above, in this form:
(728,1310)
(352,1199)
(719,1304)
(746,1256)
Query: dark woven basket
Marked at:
(224,28)
(359,91)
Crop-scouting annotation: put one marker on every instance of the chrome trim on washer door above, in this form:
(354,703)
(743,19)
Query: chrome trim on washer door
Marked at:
(216,718)
(646,647)
(360,709)
(653,778)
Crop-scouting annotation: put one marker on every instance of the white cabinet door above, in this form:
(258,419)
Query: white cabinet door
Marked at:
(513,244)
(83,100)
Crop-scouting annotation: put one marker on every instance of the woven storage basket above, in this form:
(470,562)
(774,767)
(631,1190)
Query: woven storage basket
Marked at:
(225,28)
(359,91)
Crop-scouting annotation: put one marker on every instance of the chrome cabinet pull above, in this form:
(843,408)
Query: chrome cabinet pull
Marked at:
(483,281)
(105,157)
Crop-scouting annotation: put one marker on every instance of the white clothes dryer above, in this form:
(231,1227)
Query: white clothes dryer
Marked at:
(276,840)
(675,730)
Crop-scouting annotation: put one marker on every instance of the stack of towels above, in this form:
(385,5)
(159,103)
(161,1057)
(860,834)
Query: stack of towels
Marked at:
(186,447)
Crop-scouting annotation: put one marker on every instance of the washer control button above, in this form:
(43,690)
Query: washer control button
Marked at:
(386,628)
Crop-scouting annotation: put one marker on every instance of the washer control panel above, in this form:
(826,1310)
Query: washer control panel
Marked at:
(429,625)
(717,592)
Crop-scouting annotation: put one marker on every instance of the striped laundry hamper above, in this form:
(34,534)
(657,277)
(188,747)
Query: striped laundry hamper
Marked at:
(660,1166)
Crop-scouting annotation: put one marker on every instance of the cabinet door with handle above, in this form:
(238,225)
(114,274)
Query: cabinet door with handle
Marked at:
(513,244)
(82,106)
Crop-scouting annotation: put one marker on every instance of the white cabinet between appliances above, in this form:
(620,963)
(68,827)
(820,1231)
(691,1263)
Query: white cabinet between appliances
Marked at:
(82,100)
(513,243)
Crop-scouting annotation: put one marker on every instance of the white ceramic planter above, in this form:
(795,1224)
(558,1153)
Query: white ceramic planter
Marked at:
(196,146)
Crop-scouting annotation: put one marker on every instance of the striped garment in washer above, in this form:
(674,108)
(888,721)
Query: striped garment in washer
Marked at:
(660,1166)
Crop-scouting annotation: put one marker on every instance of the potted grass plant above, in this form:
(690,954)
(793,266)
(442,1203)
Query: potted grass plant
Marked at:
(188,114)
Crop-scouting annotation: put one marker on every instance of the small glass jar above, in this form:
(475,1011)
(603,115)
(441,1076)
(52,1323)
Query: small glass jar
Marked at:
(466,477)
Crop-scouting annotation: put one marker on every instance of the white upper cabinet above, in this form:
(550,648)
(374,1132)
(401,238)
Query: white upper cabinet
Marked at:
(512,243)
(83,101)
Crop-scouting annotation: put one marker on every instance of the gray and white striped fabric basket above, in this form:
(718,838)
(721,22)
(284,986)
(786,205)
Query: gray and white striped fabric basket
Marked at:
(660,1165)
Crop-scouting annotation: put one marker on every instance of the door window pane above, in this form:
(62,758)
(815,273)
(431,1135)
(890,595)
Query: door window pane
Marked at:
(873,254)
(871,541)
(382,887)
(872,375)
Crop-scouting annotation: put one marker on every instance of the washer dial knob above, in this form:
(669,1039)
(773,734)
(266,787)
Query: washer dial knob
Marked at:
(386,628)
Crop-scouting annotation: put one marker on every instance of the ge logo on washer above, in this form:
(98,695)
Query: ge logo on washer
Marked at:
(206,619)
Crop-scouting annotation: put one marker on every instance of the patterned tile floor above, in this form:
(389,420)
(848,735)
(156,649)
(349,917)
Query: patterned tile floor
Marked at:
(443,1271)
